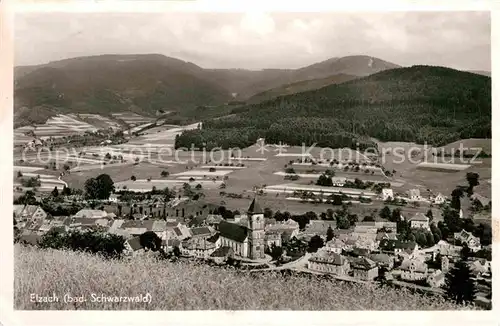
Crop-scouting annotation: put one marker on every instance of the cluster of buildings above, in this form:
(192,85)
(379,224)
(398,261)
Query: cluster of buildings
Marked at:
(246,236)
(413,195)
(373,248)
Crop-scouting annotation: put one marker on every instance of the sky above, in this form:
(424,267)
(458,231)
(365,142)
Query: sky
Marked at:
(259,40)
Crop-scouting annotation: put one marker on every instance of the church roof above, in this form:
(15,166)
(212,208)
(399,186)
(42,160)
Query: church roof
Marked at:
(233,231)
(255,208)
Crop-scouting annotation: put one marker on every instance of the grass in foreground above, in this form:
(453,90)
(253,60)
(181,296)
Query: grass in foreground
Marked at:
(186,286)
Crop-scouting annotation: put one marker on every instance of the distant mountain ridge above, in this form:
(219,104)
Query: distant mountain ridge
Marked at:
(420,104)
(147,83)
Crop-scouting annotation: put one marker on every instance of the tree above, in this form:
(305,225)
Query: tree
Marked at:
(329,234)
(368,218)
(385,213)
(396,215)
(342,221)
(276,252)
(329,214)
(473,180)
(315,243)
(268,213)
(150,240)
(353,219)
(325,181)
(176,251)
(164,174)
(429,215)
(460,286)
(198,186)
(66,191)
(133,178)
(337,200)
(465,252)
(19,174)
(456,195)
(100,187)
(430,239)
(55,192)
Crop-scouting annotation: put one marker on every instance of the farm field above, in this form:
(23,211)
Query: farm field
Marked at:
(99,121)
(442,167)
(47,271)
(145,185)
(132,118)
(291,187)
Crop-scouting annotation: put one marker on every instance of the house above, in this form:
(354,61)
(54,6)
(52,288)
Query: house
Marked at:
(398,247)
(479,266)
(198,247)
(363,268)
(82,223)
(481,199)
(339,181)
(335,245)
(201,232)
(221,254)
(436,279)
(213,220)
(463,237)
(273,238)
(387,236)
(439,199)
(329,262)
(90,213)
(287,229)
(413,270)
(170,244)
(383,260)
(113,198)
(133,247)
(320,227)
(363,240)
(365,227)
(160,228)
(29,212)
(445,249)
(387,194)
(414,194)
(246,241)
(419,220)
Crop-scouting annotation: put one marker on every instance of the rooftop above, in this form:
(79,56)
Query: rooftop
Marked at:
(233,231)
(255,208)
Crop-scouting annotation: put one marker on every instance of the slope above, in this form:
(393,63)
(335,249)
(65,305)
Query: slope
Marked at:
(103,84)
(298,87)
(417,104)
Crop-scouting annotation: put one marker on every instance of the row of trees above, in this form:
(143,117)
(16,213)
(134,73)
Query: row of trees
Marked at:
(96,242)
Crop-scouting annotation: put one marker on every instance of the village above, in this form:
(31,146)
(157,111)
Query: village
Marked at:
(254,239)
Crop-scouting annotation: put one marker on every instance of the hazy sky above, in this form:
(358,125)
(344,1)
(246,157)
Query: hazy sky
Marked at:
(260,40)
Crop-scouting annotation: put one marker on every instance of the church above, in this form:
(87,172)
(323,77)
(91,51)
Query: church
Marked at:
(246,241)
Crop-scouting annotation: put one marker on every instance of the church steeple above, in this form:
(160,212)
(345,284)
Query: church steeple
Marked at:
(256,230)
(254,208)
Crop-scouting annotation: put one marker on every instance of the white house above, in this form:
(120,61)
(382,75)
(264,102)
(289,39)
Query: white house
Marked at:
(439,199)
(467,238)
(387,194)
(91,213)
(419,220)
(414,194)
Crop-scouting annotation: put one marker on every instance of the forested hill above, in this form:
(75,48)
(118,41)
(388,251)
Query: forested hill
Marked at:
(116,83)
(420,104)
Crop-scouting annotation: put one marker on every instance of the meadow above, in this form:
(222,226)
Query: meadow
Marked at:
(190,286)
